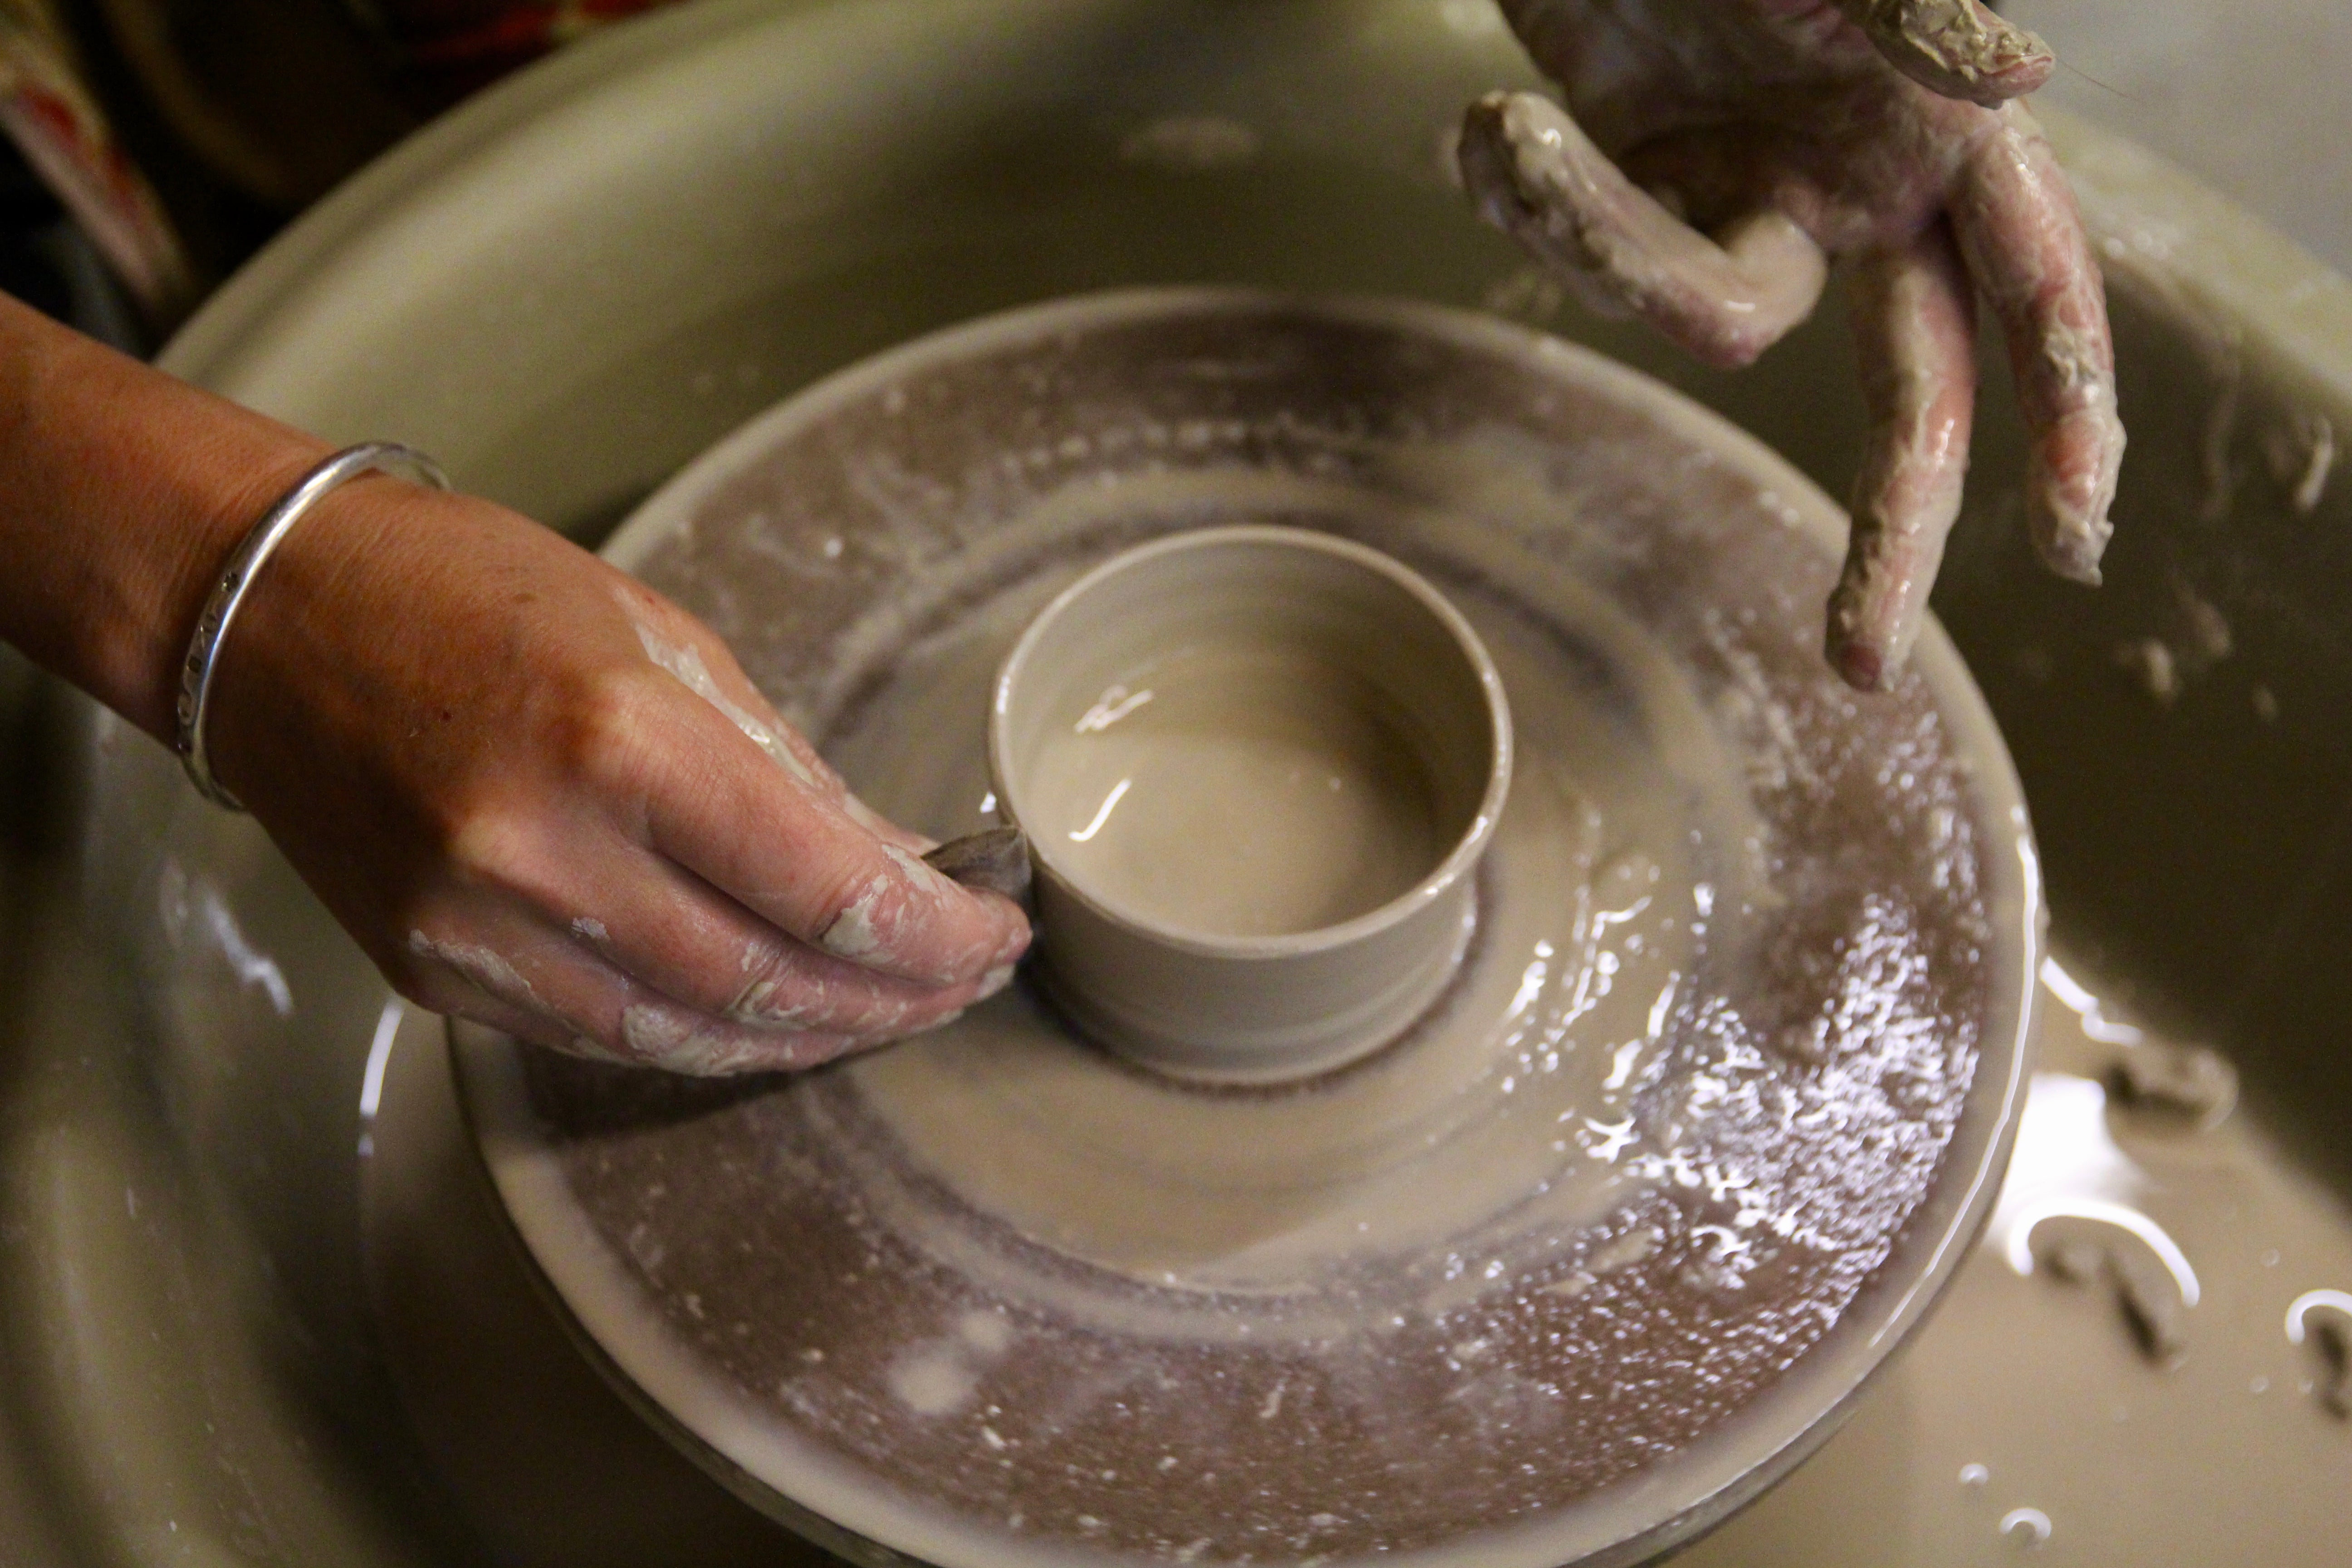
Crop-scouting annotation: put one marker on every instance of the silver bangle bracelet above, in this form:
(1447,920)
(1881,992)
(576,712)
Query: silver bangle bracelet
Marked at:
(236,577)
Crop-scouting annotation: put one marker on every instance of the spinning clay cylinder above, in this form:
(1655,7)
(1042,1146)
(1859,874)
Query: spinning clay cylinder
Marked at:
(1257,766)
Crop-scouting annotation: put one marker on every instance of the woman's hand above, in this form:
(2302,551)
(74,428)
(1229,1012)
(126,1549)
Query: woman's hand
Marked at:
(537,793)
(1716,152)
(544,797)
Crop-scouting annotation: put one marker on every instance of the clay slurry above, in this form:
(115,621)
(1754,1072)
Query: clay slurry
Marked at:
(1243,789)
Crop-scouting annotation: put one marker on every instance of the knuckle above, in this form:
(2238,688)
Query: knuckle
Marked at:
(605,727)
(486,843)
(766,987)
(510,850)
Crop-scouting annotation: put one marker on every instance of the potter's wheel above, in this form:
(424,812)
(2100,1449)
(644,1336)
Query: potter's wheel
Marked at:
(1576,1268)
(565,310)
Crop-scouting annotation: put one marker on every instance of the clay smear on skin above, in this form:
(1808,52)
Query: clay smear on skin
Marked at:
(678,1041)
(484,969)
(854,934)
(869,928)
(686,665)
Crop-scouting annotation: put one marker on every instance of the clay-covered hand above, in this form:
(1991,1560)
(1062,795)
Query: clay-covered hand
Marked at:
(1715,154)
(544,797)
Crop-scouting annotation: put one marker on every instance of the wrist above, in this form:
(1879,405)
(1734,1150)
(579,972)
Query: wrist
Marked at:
(317,667)
(213,510)
(234,583)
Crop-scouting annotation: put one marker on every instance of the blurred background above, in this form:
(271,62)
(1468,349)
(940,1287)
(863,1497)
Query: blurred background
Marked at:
(153,146)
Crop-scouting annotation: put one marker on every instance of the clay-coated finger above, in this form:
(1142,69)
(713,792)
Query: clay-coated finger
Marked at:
(1915,326)
(546,987)
(795,858)
(453,996)
(1956,48)
(668,635)
(2016,221)
(683,939)
(725,687)
(1538,178)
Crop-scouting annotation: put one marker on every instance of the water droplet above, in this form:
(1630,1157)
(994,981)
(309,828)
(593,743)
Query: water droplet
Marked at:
(1974,1475)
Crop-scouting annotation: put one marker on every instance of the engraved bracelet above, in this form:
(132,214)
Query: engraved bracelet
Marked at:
(243,564)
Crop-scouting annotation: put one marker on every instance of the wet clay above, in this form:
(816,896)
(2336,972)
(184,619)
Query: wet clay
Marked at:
(1679,1155)
(1588,929)
(1322,750)
(1245,789)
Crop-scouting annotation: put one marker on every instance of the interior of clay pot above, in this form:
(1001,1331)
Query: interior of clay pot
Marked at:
(1257,768)
(1341,676)
(254,1301)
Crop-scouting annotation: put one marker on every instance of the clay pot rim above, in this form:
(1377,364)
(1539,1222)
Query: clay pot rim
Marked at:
(1459,862)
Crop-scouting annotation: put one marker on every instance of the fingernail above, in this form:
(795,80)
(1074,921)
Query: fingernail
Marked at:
(994,981)
(2072,547)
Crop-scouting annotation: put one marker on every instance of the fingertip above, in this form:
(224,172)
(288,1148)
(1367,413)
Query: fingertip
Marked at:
(2077,563)
(1962,52)
(2072,538)
(993,967)
(1860,663)
(2006,77)
(1727,352)
(2029,75)
(1489,168)
(903,918)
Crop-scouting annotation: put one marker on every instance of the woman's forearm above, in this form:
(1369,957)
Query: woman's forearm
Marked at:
(456,726)
(124,492)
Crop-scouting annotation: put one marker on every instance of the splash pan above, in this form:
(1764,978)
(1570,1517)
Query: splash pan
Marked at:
(1722,1090)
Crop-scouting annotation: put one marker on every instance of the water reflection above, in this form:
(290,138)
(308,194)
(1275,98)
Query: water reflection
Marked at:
(2338,1300)
(2025,1526)
(2085,1006)
(379,1056)
(2067,1166)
